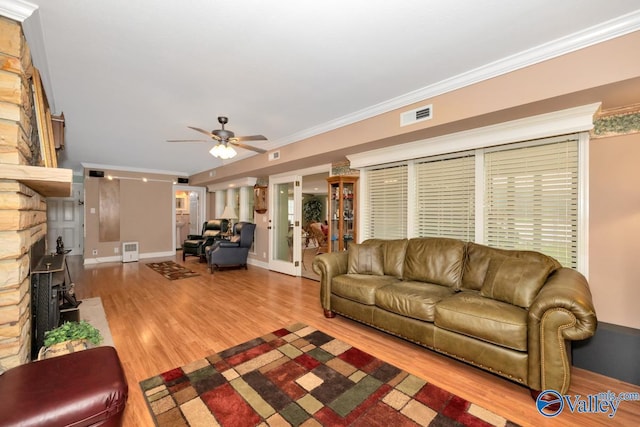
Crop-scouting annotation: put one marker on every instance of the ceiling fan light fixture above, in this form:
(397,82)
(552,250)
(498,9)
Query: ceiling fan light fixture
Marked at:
(230,152)
(223,151)
(224,140)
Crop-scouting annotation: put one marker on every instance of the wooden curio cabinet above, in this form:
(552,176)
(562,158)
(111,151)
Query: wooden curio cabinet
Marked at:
(342,211)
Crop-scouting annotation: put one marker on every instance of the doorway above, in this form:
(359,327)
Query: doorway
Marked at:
(289,240)
(314,210)
(188,212)
(65,218)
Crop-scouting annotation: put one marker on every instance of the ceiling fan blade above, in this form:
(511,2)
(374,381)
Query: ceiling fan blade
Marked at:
(248,147)
(250,138)
(206,132)
(187,140)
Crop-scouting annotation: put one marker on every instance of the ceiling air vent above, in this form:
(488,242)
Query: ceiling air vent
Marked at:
(274,155)
(417,115)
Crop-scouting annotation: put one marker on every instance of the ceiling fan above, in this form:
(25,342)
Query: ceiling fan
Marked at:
(225,138)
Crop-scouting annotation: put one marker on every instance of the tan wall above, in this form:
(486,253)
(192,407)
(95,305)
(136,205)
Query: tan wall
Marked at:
(261,238)
(211,206)
(614,241)
(144,214)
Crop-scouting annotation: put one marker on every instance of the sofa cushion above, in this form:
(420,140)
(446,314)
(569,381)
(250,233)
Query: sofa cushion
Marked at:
(192,243)
(513,280)
(359,287)
(435,260)
(365,259)
(412,299)
(486,319)
(211,233)
(393,253)
(479,256)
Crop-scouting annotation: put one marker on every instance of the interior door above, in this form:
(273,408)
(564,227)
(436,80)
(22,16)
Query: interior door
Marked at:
(65,219)
(285,231)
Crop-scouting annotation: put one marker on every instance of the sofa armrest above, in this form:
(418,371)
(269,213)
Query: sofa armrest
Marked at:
(195,237)
(562,310)
(213,244)
(225,244)
(329,266)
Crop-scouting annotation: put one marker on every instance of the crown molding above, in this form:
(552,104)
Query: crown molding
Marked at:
(605,31)
(18,10)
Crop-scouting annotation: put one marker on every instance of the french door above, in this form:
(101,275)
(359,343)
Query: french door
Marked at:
(285,231)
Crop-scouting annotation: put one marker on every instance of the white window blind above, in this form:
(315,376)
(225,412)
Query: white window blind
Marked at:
(445,198)
(531,199)
(386,203)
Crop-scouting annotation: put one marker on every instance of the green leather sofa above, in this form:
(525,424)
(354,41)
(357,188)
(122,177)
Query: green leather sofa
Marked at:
(509,312)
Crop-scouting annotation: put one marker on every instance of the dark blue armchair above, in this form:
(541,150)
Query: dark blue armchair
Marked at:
(234,251)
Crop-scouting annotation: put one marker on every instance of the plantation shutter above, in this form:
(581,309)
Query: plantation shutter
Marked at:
(531,199)
(386,203)
(445,198)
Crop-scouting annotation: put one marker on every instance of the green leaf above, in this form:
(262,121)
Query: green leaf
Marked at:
(72,331)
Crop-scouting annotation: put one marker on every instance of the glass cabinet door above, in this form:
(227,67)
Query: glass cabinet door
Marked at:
(342,211)
(335,215)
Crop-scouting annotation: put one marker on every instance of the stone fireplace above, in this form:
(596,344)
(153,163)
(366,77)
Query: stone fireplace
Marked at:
(23,192)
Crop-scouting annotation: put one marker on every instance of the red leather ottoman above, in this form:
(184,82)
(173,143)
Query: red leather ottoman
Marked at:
(86,388)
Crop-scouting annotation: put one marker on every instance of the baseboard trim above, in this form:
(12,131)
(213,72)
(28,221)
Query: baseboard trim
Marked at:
(102,260)
(258,263)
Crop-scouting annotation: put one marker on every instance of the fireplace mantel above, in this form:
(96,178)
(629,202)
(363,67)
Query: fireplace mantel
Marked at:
(48,182)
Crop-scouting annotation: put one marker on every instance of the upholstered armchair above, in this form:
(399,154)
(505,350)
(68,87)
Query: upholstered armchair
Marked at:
(212,231)
(232,252)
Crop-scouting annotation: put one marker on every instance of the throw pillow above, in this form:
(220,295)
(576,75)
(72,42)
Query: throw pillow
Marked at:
(514,280)
(365,259)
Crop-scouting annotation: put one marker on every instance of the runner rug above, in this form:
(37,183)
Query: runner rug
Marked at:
(172,270)
(301,376)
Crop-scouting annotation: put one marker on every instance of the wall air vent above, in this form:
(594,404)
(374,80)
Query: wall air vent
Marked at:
(417,115)
(130,252)
(274,155)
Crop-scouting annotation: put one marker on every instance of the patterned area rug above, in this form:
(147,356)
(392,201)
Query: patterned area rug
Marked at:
(300,376)
(171,270)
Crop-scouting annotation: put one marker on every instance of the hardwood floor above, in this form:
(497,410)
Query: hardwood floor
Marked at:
(159,324)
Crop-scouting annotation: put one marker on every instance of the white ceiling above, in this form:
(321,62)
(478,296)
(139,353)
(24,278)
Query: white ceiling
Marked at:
(130,74)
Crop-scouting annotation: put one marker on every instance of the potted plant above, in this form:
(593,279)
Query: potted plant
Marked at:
(69,337)
(312,210)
